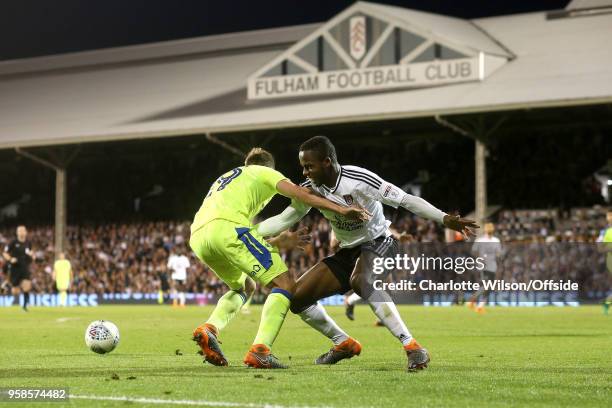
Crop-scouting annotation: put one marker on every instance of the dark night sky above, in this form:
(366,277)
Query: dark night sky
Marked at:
(31,28)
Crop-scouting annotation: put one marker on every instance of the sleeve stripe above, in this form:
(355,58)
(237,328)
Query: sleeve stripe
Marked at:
(373,179)
(365,177)
(307,183)
(365,172)
(368,182)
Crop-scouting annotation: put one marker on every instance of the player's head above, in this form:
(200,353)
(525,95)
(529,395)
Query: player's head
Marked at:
(489,228)
(22,233)
(61,256)
(609,217)
(317,157)
(260,157)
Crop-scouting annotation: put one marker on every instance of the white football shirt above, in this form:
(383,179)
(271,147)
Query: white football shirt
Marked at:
(488,248)
(178,264)
(356,185)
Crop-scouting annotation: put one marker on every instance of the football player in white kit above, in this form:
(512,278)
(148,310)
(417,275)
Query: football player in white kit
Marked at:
(178,263)
(346,270)
(490,249)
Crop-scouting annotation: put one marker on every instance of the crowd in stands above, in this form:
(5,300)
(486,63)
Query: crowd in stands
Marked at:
(117,258)
(576,225)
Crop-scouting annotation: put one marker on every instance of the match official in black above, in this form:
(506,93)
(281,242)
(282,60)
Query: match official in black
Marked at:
(19,256)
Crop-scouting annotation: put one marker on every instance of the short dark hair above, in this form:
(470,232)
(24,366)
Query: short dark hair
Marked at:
(259,156)
(322,146)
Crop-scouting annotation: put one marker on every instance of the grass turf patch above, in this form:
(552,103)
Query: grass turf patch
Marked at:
(507,357)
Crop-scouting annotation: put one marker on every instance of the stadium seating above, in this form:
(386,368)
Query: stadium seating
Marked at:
(118,258)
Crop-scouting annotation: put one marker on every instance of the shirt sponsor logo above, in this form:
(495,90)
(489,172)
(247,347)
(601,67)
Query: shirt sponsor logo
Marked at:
(345,224)
(387,191)
(256,269)
(390,192)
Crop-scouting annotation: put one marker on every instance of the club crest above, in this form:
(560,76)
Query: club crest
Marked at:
(358,37)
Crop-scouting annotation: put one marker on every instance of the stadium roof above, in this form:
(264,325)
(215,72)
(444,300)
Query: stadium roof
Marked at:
(200,85)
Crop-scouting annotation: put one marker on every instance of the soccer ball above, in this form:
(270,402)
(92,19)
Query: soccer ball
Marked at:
(102,336)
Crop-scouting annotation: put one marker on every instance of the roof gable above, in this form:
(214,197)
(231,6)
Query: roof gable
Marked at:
(366,36)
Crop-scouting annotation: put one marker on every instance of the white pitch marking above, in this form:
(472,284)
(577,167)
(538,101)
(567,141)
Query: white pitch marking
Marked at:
(186,402)
(65,319)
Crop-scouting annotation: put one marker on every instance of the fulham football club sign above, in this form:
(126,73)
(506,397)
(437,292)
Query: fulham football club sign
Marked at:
(364,49)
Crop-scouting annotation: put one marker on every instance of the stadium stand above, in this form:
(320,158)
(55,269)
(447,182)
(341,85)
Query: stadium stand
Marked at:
(120,258)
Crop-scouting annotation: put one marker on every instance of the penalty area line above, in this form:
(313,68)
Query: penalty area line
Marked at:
(204,403)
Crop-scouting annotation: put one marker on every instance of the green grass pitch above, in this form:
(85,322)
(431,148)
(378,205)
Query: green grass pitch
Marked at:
(507,357)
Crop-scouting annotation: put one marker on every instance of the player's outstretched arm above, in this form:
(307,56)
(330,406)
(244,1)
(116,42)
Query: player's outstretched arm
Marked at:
(6,255)
(291,240)
(288,189)
(424,209)
(389,194)
(281,222)
(462,225)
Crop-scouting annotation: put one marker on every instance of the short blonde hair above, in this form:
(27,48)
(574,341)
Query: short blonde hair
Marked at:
(259,156)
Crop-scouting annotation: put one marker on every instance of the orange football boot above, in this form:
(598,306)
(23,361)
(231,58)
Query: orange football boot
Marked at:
(418,356)
(259,356)
(206,337)
(347,349)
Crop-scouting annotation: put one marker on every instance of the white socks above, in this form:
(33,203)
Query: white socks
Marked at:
(352,299)
(317,318)
(388,314)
